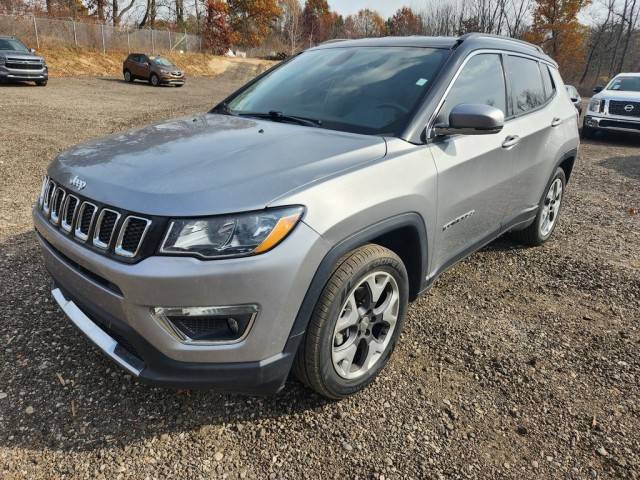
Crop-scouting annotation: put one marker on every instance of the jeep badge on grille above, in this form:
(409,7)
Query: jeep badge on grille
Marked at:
(77,183)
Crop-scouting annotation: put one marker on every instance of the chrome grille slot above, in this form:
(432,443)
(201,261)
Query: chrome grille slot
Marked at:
(57,199)
(84,220)
(46,205)
(627,109)
(105,226)
(69,212)
(131,235)
(43,190)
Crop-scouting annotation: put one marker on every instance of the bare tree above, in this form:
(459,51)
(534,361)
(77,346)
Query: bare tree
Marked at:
(291,23)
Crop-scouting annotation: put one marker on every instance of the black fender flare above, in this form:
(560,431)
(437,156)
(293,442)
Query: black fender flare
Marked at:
(328,265)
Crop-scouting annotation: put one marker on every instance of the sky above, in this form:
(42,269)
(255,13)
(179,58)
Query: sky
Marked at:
(386,8)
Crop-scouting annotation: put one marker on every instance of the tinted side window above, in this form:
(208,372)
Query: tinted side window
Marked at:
(526,84)
(480,81)
(549,86)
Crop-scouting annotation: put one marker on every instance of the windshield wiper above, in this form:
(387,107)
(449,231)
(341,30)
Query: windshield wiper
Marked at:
(279,116)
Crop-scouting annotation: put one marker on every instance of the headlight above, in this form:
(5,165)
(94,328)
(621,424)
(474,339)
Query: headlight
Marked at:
(231,235)
(596,105)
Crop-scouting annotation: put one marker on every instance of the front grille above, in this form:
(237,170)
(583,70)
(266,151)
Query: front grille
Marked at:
(132,231)
(69,212)
(627,109)
(87,220)
(105,226)
(57,200)
(24,66)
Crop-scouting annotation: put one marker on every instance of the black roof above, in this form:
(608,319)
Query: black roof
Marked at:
(473,41)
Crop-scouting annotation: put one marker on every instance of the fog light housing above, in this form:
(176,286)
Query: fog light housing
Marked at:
(591,122)
(207,325)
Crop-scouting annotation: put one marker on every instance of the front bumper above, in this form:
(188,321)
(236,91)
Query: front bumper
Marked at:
(23,75)
(618,124)
(117,299)
(171,80)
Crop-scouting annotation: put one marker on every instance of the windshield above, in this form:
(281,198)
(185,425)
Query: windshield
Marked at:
(12,44)
(625,84)
(371,90)
(162,61)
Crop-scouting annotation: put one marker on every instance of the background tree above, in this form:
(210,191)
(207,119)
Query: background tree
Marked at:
(366,23)
(252,20)
(405,22)
(556,28)
(291,23)
(217,32)
(317,21)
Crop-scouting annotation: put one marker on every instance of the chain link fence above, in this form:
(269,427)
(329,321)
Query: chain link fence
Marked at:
(47,32)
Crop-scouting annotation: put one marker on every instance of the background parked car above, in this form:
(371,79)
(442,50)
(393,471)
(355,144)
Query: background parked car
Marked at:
(20,63)
(615,107)
(154,69)
(575,97)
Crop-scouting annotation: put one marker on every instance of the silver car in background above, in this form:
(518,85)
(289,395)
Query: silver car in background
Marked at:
(288,228)
(615,107)
(18,63)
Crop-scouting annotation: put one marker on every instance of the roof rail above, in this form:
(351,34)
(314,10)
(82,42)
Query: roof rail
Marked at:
(501,37)
(333,40)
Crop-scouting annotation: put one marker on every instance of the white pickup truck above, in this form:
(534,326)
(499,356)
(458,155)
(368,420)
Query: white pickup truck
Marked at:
(615,107)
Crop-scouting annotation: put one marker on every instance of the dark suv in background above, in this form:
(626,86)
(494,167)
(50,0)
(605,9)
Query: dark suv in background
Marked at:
(20,63)
(156,70)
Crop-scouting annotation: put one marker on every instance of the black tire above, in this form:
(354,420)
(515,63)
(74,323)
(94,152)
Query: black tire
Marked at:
(128,77)
(313,365)
(586,132)
(41,83)
(154,80)
(180,85)
(533,235)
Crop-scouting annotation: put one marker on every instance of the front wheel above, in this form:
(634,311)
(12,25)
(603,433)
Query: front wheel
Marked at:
(548,212)
(41,83)
(155,81)
(128,77)
(355,324)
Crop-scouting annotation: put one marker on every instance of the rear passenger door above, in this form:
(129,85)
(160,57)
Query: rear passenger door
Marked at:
(474,171)
(534,118)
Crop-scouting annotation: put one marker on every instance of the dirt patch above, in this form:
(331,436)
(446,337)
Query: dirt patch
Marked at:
(65,62)
(518,364)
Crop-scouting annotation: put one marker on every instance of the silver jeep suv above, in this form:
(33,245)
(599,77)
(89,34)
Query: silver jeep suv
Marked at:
(289,227)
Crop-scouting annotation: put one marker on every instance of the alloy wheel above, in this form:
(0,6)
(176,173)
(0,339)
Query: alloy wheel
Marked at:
(365,325)
(551,207)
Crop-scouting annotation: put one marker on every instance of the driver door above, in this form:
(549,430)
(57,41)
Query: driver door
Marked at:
(474,171)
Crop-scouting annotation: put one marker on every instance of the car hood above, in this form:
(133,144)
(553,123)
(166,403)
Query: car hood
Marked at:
(19,55)
(616,95)
(210,164)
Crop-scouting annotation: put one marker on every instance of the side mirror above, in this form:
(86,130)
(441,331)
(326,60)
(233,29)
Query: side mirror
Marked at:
(472,119)
(574,99)
(598,88)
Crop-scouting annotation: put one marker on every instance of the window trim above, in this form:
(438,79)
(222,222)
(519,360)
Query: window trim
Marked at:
(547,101)
(503,54)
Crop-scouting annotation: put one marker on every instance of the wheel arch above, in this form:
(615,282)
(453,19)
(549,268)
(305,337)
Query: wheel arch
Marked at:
(404,234)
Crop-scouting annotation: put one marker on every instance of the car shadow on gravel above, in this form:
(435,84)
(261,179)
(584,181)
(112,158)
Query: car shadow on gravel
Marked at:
(60,392)
(627,166)
(614,138)
(143,83)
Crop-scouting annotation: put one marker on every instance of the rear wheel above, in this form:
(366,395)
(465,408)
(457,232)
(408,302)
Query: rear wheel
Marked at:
(154,79)
(356,323)
(548,213)
(127,76)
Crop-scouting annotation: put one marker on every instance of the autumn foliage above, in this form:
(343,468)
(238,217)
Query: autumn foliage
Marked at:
(556,28)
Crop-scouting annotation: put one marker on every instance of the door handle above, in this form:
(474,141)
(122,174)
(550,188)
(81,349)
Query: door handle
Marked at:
(556,121)
(511,141)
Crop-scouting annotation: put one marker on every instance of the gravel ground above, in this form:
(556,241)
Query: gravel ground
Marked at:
(519,363)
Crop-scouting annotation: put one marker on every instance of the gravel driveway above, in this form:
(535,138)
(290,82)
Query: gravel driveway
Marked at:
(519,363)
